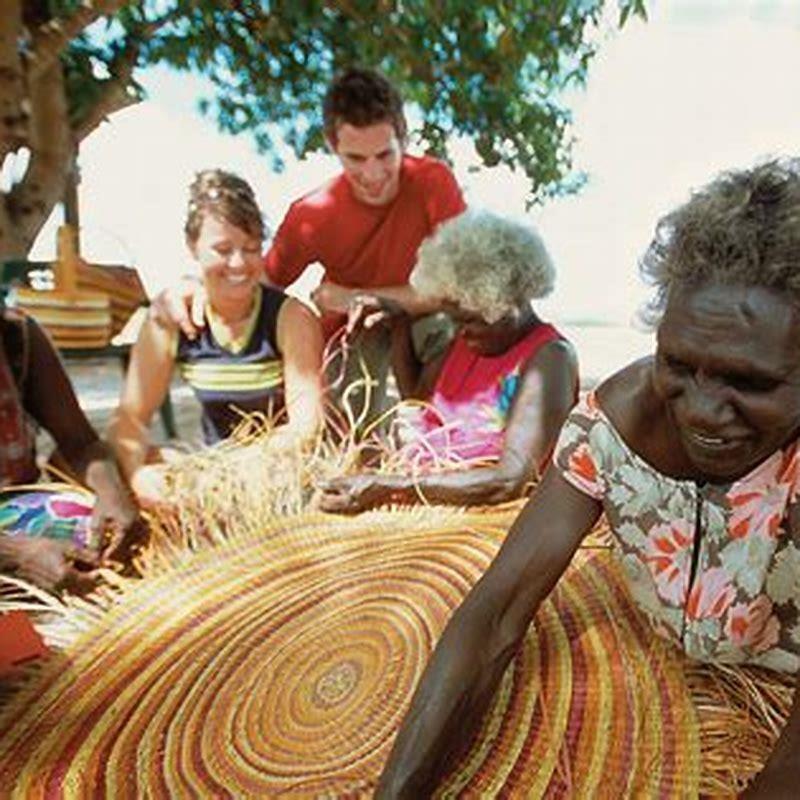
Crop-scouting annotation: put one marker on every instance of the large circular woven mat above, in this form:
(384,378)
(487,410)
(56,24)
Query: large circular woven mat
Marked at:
(283,666)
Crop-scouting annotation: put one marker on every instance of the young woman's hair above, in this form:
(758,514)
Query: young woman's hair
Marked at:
(227,196)
(362,97)
(484,262)
(741,229)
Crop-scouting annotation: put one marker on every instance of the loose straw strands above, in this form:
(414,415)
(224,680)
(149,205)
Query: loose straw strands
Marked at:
(270,649)
(741,712)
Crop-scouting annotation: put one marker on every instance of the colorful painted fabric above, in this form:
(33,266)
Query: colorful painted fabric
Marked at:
(468,412)
(713,566)
(56,515)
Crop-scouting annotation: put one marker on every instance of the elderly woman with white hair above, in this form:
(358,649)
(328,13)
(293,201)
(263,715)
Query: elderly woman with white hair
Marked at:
(498,396)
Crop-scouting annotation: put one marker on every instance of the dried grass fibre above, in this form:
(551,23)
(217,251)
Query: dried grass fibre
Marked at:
(271,650)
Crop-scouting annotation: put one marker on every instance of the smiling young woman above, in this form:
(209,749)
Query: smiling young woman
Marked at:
(694,458)
(260,351)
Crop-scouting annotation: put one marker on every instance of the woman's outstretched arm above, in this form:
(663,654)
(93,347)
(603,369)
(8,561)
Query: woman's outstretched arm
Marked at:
(546,394)
(300,342)
(483,636)
(51,401)
(145,387)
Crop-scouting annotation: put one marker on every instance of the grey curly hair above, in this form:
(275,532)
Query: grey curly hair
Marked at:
(484,262)
(743,228)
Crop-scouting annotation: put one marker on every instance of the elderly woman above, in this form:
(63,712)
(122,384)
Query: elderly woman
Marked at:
(692,455)
(499,395)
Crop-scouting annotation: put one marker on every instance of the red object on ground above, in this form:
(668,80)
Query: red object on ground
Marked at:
(19,641)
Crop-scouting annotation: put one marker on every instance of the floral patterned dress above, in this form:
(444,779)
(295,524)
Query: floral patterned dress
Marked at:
(714,567)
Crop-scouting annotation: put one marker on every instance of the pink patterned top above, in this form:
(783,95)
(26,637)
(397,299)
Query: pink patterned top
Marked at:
(469,409)
(714,567)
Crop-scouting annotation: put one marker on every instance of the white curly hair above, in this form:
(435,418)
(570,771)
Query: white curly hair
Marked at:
(485,263)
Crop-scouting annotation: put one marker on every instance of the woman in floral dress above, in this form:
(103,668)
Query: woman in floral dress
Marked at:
(692,455)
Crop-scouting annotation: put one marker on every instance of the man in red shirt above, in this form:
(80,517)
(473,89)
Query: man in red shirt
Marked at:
(364,227)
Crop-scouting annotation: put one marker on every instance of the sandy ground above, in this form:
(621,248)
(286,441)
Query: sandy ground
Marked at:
(601,350)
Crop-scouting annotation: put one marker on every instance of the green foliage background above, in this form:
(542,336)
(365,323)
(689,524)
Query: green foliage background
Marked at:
(493,71)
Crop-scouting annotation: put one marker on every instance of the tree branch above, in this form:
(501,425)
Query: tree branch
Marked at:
(116,95)
(50,39)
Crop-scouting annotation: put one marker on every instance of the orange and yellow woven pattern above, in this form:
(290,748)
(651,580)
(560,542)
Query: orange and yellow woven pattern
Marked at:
(282,664)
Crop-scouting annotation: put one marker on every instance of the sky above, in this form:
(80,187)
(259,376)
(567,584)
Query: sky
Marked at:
(698,88)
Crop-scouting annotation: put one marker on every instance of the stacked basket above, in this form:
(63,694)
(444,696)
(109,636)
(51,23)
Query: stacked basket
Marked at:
(88,304)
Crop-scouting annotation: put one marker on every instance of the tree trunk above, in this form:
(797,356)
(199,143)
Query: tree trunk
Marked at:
(13,112)
(52,146)
(34,114)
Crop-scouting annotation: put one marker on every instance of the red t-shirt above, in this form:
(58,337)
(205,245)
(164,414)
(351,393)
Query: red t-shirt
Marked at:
(363,246)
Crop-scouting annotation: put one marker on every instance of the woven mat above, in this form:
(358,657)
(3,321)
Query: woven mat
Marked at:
(282,664)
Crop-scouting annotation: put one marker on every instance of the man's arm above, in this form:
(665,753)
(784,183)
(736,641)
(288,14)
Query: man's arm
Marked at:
(183,305)
(333,298)
(442,198)
(289,252)
(545,396)
(483,636)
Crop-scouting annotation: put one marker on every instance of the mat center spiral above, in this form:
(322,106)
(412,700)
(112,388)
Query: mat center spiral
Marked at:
(337,683)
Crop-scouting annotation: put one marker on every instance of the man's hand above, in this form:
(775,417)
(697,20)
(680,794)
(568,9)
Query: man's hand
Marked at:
(331,298)
(366,311)
(52,564)
(181,306)
(355,493)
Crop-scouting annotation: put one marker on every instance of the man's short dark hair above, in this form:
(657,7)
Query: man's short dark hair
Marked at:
(362,97)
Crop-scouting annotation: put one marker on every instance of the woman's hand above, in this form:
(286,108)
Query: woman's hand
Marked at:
(52,564)
(149,484)
(117,524)
(356,493)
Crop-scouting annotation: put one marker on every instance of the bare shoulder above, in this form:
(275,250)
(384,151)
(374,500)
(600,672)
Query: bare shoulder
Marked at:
(298,327)
(295,312)
(557,355)
(628,400)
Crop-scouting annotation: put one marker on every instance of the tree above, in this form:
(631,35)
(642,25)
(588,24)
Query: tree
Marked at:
(492,70)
